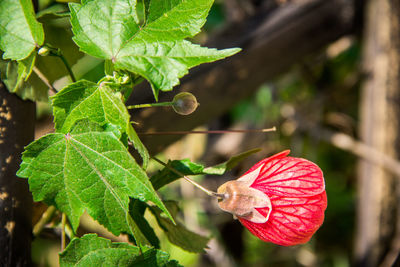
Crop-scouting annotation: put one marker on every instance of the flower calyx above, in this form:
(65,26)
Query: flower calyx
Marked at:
(242,201)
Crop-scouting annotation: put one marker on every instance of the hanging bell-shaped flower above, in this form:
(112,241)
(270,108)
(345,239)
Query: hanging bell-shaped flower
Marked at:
(280,199)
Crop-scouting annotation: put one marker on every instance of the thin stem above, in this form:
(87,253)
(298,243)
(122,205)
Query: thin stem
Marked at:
(57,53)
(44,79)
(210,132)
(63,222)
(205,190)
(161,104)
(68,231)
(67,66)
(45,219)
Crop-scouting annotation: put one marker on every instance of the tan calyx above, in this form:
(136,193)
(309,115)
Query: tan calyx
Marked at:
(241,200)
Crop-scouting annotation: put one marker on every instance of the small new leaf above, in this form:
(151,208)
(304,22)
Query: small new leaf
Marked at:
(20,33)
(91,250)
(155,50)
(87,169)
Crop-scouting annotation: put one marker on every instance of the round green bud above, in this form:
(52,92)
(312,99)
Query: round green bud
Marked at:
(43,51)
(184,103)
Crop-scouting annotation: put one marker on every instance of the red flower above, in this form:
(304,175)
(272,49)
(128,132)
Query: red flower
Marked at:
(280,199)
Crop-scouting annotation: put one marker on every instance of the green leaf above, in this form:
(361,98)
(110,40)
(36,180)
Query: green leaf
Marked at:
(60,36)
(220,169)
(178,234)
(98,103)
(139,146)
(156,50)
(166,176)
(84,99)
(13,75)
(88,168)
(164,62)
(186,167)
(20,32)
(91,250)
(136,210)
(25,66)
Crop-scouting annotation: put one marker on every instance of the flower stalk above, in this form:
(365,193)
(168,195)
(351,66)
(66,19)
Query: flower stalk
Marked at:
(205,190)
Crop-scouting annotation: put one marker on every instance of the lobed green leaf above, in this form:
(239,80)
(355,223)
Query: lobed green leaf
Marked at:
(84,99)
(98,103)
(87,169)
(155,50)
(20,32)
(91,250)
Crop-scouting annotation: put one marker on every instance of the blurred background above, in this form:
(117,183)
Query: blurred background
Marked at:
(326,74)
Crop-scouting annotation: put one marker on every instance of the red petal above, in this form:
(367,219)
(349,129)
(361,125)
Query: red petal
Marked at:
(292,221)
(287,176)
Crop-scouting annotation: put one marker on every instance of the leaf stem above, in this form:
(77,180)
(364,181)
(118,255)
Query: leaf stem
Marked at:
(43,78)
(45,219)
(57,53)
(63,223)
(205,190)
(161,104)
(210,132)
(68,67)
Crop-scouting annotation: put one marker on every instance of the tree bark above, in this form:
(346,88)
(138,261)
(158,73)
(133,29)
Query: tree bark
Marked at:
(17,119)
(377,237)
(272,41)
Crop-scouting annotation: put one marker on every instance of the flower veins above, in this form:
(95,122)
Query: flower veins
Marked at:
(280,199)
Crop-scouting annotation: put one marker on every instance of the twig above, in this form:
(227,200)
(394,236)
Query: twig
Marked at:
(44,79)
(45,219)
(161,104)
(63,222)
(346,142)
(210,132)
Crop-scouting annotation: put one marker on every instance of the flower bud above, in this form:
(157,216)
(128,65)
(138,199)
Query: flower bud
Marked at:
(184,103)
(43,51)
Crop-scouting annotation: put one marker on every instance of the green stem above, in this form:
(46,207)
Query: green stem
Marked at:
(63,222)
(69,232)
(67,66)
(45,219)
(57,53)
(161,104)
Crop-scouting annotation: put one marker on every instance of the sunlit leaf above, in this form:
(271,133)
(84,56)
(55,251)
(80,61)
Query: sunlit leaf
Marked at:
(20,32)
(87,169)
(91,250)
(98,103)
(157,50)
